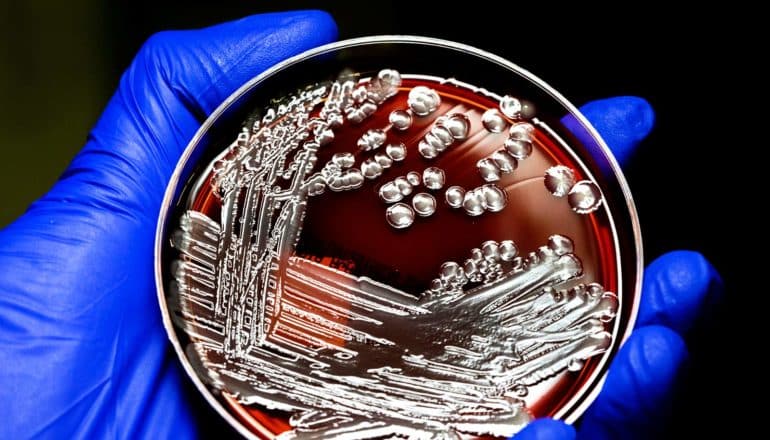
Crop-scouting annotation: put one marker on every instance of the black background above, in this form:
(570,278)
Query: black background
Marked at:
(683,178)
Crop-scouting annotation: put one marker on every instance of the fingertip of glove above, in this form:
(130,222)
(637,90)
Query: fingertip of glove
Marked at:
(688,271)
(631,115)
(658,351)
(320,22)
(637,113)
(677,287)
(546,429)
(623,122)
(638,387)
(315,27)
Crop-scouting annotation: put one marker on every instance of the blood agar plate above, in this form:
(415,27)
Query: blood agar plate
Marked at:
(397,237)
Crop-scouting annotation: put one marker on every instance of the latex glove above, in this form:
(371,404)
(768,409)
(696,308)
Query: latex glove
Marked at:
(84,353)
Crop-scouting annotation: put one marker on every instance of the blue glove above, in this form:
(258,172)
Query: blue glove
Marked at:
(84,353)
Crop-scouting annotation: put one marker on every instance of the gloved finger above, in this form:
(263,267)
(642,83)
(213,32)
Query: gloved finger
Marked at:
(639,387)
(623,122)
(546,429)
(678,288)
(176,80)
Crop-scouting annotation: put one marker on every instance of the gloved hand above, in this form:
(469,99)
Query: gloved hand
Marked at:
(84,353)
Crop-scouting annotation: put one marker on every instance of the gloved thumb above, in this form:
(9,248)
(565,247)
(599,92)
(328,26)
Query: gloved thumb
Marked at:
(175,81)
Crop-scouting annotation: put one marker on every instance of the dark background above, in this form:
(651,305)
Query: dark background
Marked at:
(60,61)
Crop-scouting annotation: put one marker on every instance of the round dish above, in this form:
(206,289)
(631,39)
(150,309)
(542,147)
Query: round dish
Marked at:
(397,236)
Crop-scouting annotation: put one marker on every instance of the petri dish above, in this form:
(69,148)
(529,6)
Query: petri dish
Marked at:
(397,236)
